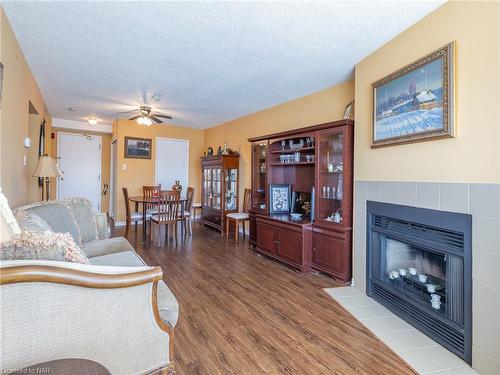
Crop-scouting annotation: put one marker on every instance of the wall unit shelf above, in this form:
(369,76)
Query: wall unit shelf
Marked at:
(324,242)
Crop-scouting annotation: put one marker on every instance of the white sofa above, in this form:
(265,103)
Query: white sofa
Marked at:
(116,311)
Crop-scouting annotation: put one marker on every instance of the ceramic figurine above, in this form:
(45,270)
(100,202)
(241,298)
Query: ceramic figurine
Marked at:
(177,185)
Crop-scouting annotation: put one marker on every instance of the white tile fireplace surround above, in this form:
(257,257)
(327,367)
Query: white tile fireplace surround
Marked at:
(482,201)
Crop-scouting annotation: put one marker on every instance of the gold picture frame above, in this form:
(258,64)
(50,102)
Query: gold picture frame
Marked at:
(138,148)
(426,111)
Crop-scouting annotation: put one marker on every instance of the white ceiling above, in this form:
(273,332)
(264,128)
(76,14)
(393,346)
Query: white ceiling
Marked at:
(211,61)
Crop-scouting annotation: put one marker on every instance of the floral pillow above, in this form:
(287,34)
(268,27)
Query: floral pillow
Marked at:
(42,245)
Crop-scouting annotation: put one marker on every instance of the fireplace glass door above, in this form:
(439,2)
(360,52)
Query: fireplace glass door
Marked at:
(430,278)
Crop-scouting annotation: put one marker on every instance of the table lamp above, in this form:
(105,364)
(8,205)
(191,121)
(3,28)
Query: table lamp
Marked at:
(47,168)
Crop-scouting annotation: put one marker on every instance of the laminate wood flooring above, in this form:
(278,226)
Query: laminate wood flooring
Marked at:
(241,313)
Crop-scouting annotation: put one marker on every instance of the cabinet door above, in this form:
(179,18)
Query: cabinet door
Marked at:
(216,188)
(327,251)
(334,173)
(290,245)
(266,237)
(207,187)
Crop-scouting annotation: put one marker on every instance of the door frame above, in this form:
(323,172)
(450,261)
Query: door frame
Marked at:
(99,185)
(186,141)
(113,170)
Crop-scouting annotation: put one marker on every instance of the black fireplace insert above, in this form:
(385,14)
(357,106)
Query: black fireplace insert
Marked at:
(419,266)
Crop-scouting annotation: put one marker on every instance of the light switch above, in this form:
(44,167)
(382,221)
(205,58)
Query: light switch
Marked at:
(124,167)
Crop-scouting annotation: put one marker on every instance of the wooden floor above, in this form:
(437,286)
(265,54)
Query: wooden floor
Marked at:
(241,313)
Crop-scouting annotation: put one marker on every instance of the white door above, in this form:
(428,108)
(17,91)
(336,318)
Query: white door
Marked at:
(172,162)
(80,165)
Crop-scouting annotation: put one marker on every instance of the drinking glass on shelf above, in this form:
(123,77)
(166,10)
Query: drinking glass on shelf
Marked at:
(297,157)
(308,141)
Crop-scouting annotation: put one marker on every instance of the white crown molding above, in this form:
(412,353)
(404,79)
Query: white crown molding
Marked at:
(81,125)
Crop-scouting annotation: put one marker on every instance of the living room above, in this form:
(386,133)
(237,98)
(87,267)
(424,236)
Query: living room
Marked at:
(334,169)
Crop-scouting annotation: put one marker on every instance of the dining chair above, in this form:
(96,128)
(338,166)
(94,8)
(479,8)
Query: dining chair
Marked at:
(239,217)
(151,191)
(130,215)
(168,212)
(187,210)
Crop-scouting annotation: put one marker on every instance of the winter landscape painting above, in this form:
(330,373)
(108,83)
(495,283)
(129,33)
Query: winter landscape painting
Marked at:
(414,102)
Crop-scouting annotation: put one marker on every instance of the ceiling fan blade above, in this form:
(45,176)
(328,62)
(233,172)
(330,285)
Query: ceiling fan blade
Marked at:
(157,120)
(164,116)
(135,117)
(131,111)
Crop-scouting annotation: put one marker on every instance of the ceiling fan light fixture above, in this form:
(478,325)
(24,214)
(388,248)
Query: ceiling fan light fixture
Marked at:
(92,121)
(144,120)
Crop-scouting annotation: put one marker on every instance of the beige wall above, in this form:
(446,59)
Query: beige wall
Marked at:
(474,156)
(323,106)
(105,160)
(141,172)
(19,88)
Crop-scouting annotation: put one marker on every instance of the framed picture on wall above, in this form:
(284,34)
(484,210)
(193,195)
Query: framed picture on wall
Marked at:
(416,102)
(138,148)
(279,198)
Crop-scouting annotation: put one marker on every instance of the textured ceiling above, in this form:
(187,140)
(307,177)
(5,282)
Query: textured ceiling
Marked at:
(211,61)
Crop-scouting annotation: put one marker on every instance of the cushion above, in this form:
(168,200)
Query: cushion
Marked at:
(42,245)
(238,216)
(31,222)
(57,216)
(167,305)
(84,215)
(124,258)
(106,246)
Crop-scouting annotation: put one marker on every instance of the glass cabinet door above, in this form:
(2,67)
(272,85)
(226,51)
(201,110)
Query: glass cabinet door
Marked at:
(231,193)
(331,177)
(216,188)
(207,187)
(259,175)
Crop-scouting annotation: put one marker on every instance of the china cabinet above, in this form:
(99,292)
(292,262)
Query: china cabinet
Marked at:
(317,163)
(219,188)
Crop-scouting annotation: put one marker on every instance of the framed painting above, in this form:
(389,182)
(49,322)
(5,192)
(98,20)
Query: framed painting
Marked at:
(138,148)
(279,198)
(416,102)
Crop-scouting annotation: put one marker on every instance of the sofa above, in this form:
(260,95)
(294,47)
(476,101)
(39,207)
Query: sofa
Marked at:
(115,310)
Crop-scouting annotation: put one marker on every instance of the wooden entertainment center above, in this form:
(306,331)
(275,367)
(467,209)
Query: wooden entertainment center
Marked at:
(317,163)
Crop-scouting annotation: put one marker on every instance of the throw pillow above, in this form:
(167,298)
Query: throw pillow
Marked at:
(43,245)
(31,222)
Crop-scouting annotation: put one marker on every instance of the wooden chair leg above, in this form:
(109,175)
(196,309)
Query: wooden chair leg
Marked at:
(175,230)
(159,234)
(243,223)
(227,227)
(236,230)
(127,227)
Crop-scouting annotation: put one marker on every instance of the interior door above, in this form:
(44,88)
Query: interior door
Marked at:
(80,165)
(172,160)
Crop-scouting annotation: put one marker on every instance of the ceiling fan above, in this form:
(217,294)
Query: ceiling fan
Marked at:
(146,117)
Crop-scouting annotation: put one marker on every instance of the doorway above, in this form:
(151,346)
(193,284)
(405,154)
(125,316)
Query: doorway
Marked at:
(80,165)
(172,162)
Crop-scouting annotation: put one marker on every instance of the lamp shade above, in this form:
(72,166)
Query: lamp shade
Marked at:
(46,167)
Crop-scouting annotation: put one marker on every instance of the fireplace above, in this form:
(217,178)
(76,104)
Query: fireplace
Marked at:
(419,267)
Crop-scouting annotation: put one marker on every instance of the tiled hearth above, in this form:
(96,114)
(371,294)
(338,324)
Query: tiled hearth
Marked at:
(482,201)
(421,352)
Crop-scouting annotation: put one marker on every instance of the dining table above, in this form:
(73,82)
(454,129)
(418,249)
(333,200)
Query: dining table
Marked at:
(153,201)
